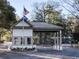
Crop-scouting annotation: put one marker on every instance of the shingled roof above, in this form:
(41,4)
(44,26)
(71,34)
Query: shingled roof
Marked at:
(42,26)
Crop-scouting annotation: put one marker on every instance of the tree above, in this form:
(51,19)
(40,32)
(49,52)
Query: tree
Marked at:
(77,28)
(7,15)
(47,13)
(73,30)
(74,7)
(53,16)
(39,13)
(76,34)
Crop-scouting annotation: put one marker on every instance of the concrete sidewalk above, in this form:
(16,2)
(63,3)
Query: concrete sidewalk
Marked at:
(4,50)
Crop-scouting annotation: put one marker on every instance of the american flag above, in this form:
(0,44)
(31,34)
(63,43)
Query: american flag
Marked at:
(25,12)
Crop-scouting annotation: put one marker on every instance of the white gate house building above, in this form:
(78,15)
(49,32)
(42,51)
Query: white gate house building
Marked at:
(27,34)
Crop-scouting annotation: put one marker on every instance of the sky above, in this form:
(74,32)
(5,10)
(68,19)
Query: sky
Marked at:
(29,5)
(20,4)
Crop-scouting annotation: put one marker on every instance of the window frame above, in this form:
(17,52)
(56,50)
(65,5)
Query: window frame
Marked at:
(29,40)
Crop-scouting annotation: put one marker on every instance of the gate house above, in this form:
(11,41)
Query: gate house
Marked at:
(27,34)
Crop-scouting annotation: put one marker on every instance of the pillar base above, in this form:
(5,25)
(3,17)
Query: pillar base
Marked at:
(57,47)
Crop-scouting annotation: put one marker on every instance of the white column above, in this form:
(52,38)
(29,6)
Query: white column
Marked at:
(57,40)
(12,37)
(19,38)
(60,43)
(12,40)
(25,41)
(32,41)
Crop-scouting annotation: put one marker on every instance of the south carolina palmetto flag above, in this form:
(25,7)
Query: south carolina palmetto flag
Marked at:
(25,12)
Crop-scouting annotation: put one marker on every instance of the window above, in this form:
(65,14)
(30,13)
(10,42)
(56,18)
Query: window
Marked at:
(28,40)
(22,41)
(15,40)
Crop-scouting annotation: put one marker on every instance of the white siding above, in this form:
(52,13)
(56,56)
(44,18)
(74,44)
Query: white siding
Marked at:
(22,23)
(24,32)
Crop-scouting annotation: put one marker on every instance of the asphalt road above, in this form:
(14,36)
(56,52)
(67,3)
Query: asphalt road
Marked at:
(15,55)
(71,52)
(11,55)
(42,53)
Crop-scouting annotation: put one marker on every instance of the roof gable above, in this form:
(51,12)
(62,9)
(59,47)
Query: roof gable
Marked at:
(22,22)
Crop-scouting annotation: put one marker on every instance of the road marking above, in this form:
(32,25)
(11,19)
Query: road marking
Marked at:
(47,57)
